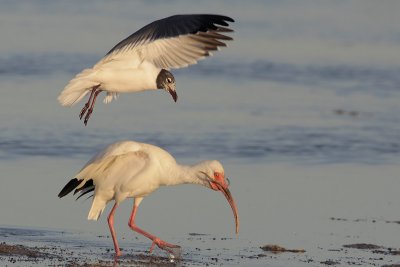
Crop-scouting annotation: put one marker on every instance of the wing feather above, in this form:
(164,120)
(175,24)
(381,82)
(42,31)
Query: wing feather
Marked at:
(223,29)
(173,42)
(206,40)
(107,171)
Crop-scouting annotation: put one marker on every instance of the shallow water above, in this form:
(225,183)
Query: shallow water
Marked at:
(302,109)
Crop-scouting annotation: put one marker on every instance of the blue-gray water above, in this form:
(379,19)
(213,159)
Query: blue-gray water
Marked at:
(350,132)
(305,97)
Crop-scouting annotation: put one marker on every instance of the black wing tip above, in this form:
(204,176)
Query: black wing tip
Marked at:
(85,192)
(89,183)
(71,185)
(224,29)
(175,25)
(211,16)
(221,17)
(86,188)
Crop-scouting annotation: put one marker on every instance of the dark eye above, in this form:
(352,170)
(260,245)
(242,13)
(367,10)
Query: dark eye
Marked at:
(169,80)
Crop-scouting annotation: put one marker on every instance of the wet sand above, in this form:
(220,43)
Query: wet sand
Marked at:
(338,214)
(34,247)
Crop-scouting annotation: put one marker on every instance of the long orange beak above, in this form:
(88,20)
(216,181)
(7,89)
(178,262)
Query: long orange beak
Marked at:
(228,195)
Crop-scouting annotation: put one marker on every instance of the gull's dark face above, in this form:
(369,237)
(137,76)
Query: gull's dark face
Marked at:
(165,80)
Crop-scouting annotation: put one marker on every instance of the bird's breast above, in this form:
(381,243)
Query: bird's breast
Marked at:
(129,79)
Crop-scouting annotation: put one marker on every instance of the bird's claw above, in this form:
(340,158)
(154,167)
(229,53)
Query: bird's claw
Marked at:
(83,111)
(170,248)
(89,112)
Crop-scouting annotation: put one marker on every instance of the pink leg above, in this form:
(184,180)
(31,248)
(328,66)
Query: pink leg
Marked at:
(83,111)
(113,235)
(156,241)
(89,112)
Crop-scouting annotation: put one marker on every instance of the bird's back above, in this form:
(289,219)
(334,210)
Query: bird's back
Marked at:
(121,170)
(124,166)
(124,147)
(115,149)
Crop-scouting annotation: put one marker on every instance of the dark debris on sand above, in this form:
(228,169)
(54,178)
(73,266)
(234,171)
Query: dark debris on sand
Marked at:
(19,250)
(330,262)
(375,249)
(279,249)
(21,253)
(197,234)
(362,246)
(146,260)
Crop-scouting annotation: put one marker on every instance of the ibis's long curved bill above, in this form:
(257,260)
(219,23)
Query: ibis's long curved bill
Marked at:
(229,197)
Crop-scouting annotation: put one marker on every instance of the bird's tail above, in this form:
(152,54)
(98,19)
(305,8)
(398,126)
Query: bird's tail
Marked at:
(80,185)
(78,87)
(85,186)
(97,208)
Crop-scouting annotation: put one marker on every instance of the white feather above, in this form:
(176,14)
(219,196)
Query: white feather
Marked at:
(78,87)
(109,97)
(96,209)
(130,169)
(135,66)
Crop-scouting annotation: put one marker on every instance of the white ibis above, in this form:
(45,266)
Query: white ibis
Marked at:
(130,169)
(140,61)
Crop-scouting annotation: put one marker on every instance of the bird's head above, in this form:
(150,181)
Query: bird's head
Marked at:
(165,80)
(214,178)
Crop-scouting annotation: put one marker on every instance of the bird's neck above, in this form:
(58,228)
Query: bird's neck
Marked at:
(184,174)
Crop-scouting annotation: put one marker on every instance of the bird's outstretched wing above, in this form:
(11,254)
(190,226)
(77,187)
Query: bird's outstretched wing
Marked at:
(173,42)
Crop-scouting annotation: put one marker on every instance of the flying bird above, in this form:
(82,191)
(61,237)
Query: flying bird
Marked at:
(130,169)
(142,60)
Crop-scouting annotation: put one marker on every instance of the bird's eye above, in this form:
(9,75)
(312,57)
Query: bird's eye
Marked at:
(218,176)
(169,80)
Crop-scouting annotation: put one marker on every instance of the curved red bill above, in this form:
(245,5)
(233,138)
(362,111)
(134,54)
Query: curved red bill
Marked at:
(229,197)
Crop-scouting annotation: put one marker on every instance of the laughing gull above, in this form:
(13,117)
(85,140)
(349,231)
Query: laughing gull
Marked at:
(141,61)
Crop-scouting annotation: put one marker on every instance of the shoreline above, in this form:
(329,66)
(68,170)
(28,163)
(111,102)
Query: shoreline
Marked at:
(48,248)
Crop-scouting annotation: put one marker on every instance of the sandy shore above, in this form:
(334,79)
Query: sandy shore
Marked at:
(339,215)
(32,247)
